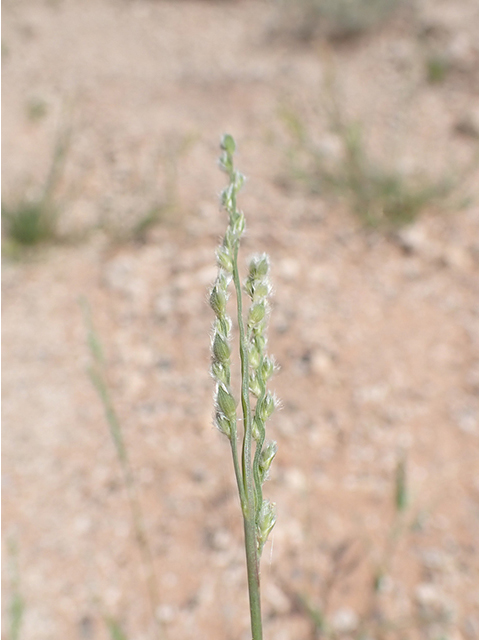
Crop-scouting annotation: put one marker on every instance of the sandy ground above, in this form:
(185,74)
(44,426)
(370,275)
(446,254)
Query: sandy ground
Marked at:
(376,334)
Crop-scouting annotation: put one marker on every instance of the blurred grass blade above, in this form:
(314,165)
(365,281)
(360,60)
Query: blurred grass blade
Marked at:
(92,338)
(401,490)
(116,632)
(95,372)
(17,603)
(112,420)
(97,376)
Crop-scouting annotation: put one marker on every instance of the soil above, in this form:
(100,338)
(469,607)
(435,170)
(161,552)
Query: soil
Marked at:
(375,332)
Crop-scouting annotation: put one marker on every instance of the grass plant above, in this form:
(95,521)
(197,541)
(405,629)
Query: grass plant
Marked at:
(161,211)
(338,20)
(30,222)
(135,224)
(97,375)
(252,464)
(374,622)
(380,196)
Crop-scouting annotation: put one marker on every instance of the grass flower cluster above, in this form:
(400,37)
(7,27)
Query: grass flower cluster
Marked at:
(252,464)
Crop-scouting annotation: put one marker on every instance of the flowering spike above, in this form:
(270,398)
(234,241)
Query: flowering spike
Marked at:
(256,368)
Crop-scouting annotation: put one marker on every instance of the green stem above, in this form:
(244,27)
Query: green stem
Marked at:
(238,472)
(251,549)
(253,574)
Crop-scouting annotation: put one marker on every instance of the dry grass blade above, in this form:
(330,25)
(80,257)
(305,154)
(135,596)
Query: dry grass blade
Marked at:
(97,376)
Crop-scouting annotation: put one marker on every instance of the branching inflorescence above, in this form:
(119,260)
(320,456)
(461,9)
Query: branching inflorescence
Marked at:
(251,467)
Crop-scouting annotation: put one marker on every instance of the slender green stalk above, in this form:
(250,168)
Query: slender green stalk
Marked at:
(253,560)
(256,368)
(98,380)
(253,577)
